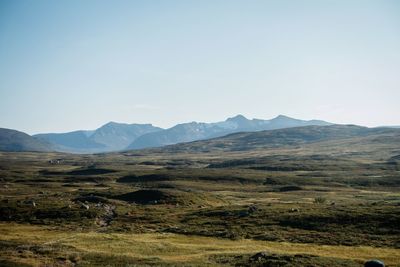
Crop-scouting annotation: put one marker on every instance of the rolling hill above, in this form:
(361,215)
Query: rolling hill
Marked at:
(13,140)
(288,137)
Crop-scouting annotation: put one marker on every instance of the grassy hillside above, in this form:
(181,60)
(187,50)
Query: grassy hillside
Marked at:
(288,137)
(12,140)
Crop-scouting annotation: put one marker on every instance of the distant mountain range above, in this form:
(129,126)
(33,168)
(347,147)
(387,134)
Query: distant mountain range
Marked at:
(120,136)
(109,137)
(192,131)
(295,136)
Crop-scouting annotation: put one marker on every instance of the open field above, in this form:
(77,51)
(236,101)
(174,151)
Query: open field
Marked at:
(332,203)
(163,248)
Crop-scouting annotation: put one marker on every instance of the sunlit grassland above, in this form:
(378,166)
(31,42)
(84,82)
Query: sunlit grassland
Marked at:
(172,248)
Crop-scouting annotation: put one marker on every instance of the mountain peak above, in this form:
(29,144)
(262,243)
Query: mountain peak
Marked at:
(238,118)
(112,123)
(282,117)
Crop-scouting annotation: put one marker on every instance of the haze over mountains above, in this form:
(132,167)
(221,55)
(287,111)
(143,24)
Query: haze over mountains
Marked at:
(120,136)
(12,140)
(233,134)
(109,137)
(192,131)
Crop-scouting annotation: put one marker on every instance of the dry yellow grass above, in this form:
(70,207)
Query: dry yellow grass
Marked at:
(181,248)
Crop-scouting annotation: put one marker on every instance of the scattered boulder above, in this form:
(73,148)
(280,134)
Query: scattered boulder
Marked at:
(252,209)
(108,216)
(92,199)
(374,263)
(259,256)
(84,206)
(294,210)
(30,202)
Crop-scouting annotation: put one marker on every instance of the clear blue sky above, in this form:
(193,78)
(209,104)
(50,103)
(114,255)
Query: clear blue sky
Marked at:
(68,65)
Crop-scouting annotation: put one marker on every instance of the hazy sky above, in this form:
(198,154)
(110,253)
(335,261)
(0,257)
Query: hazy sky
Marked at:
(68,65)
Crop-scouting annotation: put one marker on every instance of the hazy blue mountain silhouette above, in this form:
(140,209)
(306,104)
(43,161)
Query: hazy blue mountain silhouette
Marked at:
(116,136)
(193,131)
(13,140)
(120,136)
(109,137)
(77,141)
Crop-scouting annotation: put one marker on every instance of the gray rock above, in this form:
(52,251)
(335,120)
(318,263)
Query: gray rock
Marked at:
(84,206)
(374,263)
(252,209)
(259,256)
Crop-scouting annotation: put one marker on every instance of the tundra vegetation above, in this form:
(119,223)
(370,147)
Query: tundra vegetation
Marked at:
(329,202)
